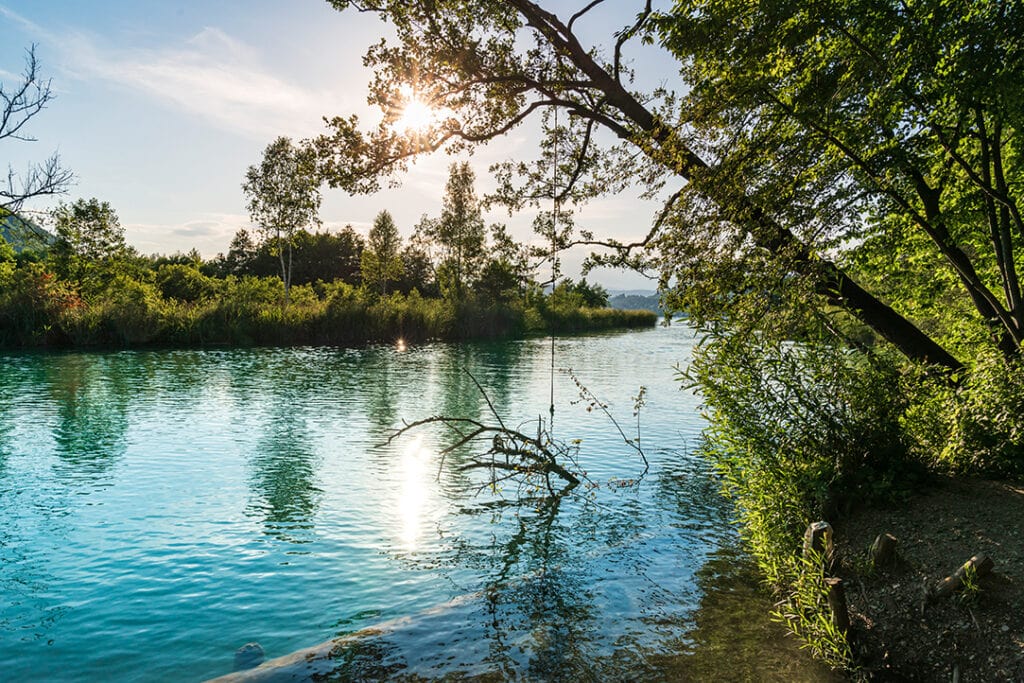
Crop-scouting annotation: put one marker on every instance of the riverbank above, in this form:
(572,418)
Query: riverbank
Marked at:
(133,316)
(976,634)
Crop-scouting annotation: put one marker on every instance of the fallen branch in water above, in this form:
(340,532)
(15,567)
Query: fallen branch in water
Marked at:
(507,450)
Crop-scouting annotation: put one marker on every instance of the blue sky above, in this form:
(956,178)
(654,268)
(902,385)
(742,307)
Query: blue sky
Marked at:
(161,106)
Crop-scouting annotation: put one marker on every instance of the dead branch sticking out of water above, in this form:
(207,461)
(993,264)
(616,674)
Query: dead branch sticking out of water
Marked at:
(509,453)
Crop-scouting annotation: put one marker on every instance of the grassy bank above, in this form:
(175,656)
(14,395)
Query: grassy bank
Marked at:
(815,431)
(38,310)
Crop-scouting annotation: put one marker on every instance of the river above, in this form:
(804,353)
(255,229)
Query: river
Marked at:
(160,508)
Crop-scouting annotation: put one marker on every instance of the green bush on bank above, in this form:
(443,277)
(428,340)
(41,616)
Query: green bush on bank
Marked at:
(799,432)
(179,306)
(973,426)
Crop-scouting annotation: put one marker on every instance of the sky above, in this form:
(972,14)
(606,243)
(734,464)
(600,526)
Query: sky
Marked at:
(160,107)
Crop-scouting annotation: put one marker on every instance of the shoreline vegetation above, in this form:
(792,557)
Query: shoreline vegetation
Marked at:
(454,279)
(39,310)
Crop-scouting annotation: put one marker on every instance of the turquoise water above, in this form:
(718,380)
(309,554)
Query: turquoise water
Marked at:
(159,509)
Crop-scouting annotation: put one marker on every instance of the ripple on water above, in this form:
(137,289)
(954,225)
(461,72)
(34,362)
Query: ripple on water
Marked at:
(158,509)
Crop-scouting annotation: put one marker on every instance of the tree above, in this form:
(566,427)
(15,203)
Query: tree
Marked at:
(382,257)
(580,294)
(495,63)
(507,273)
(417,269)
(459,233)
(89,240)
(892,130)
(238,260)
(18,104)
(284,196)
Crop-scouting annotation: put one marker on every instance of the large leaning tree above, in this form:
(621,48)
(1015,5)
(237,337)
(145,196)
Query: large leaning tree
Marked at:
(795,135)
(283,194)
(19,103)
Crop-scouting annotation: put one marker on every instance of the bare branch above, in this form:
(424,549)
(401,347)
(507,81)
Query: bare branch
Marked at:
(17,107)
(625,36)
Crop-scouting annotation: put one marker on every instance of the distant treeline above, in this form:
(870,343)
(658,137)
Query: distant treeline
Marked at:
(89,289)
(637,302)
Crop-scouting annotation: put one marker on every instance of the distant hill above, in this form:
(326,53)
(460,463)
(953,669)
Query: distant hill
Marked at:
(23,234)
(636,300)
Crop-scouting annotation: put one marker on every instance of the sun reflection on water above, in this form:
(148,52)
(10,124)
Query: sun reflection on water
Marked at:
(413,492)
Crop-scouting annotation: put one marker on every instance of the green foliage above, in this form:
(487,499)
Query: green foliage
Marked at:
(7,255)
(873,130)
(459,233)
(805,610)
(382,258)
(178,305)
(184,283)
(283,194)
(319,255)
(582,294)
(90,242)
(132,313)
(798,431)
(972,427)
(32,304)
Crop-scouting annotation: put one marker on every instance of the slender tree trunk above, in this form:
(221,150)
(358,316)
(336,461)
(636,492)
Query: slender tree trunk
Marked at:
(284,269)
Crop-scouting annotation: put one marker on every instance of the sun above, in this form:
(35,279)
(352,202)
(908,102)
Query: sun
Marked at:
(415,115)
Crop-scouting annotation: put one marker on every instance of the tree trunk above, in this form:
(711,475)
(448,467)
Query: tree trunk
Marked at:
(673,153)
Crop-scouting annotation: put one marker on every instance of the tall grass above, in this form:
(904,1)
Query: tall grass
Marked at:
(179,308)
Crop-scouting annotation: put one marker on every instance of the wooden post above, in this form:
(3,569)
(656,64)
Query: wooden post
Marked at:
(980,564)
(883,550)
(818,538)
(837,604)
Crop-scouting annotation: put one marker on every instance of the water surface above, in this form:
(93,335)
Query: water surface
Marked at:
(158,509)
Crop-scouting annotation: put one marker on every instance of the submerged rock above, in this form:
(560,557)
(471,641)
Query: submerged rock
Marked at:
(248,656)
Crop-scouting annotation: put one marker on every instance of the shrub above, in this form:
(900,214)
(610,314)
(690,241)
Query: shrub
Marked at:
(132,312)
(184,283)
(798,432)
(32,303)
(974,427)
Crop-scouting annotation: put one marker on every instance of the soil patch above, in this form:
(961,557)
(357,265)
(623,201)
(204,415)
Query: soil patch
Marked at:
(974,635)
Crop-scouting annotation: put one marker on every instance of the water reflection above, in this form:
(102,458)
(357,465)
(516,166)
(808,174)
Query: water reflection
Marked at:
(92,408)
(283,477)
(413,492)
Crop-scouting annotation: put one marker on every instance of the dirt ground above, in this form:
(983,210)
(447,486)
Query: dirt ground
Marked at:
(897,634)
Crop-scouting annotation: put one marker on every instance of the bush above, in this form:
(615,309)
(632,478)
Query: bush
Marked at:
(974,427)
(184,283)
(32,303)
(132,313)
(799,432)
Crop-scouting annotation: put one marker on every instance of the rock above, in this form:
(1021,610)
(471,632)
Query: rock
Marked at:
(248,656)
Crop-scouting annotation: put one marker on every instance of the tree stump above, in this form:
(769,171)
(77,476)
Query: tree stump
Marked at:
(818,538)
(980,565)
(837,605)
(883,550)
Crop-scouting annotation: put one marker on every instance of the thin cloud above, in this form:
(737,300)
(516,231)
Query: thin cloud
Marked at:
(210,234)
(212,75)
